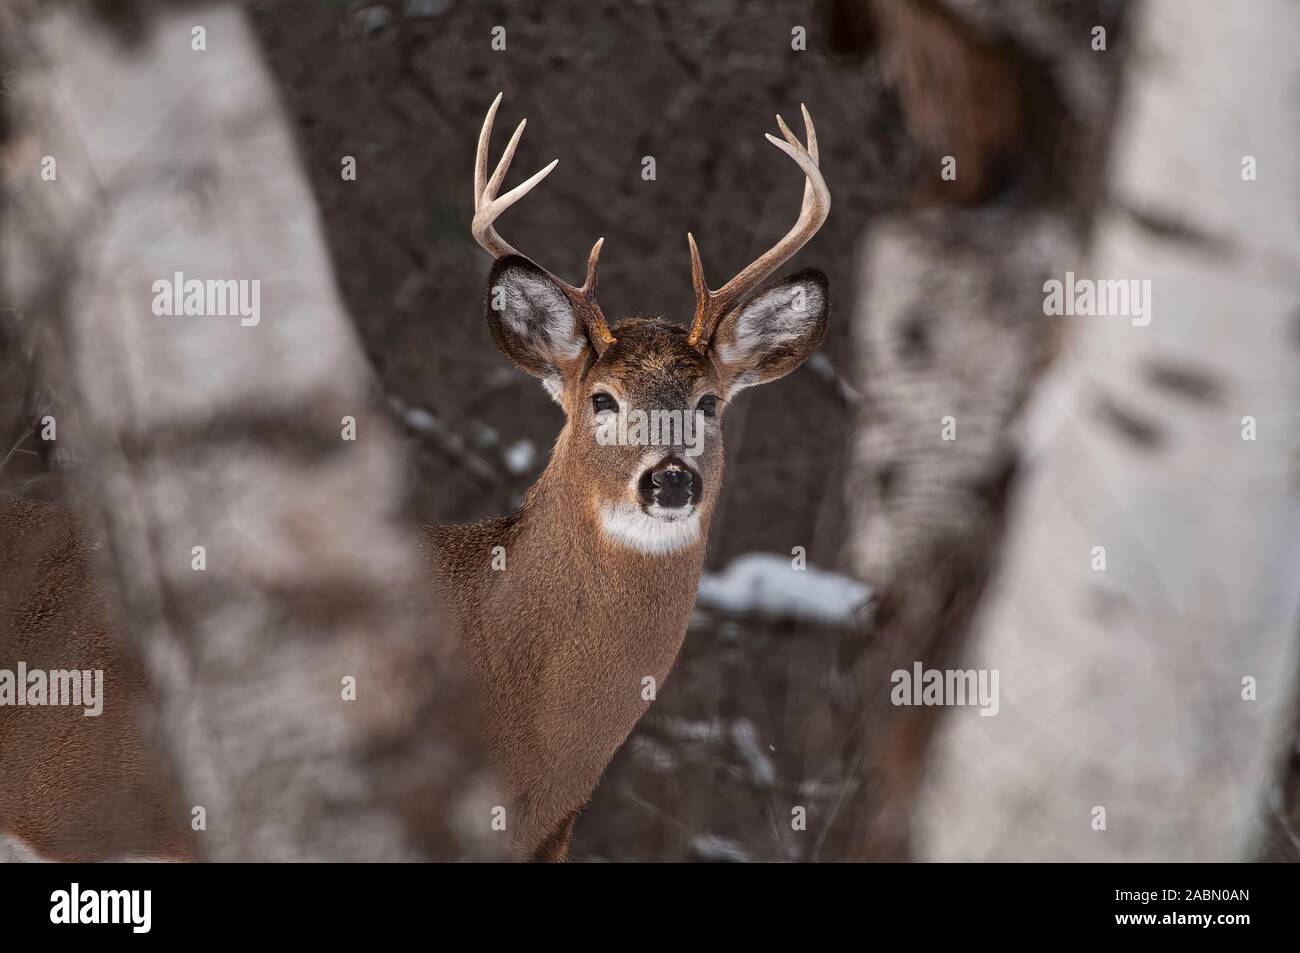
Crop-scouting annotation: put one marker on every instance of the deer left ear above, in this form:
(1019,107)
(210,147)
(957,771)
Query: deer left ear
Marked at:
(773,332)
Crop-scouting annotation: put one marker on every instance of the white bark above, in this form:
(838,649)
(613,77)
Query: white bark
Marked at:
(204,431)
(1122,689)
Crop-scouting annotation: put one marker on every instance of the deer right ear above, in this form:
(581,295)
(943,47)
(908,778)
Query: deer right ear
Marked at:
(533,322)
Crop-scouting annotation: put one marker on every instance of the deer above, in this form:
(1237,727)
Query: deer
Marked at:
(602,561)
(570,612)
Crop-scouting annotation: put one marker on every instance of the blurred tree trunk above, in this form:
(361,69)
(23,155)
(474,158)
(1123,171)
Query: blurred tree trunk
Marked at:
(948,327)
(220,433)
(1159,689)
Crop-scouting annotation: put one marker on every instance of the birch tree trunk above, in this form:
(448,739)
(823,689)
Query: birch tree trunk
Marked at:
(1154,695)
(949,338)
(229,432)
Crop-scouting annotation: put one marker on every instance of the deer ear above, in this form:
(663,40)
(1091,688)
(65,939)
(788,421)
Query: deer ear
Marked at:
(773,332)
(533,322)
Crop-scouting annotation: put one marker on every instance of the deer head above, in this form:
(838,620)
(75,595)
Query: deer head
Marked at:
(641,448)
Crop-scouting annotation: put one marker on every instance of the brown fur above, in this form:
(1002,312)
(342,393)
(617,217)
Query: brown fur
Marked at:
(75,788)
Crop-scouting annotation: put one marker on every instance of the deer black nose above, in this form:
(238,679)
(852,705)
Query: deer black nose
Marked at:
(672,479)
(670,485)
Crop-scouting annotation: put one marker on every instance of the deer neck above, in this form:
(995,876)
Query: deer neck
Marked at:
(594,624)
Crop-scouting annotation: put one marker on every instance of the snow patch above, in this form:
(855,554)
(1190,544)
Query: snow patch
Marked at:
(769,585)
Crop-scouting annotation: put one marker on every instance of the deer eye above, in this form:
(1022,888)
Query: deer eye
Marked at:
(709,405)
(602,401)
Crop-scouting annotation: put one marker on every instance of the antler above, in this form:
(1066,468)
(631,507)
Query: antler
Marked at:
(710,306)
(488,206)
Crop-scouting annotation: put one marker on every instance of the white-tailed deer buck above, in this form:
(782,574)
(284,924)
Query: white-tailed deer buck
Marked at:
(570,611)
(602,563)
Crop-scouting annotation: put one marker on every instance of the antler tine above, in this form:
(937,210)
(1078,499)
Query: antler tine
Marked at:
(811,134)
(480,157)
(702,292)
(488,206)
(499,174)
(711,306)
(589,285)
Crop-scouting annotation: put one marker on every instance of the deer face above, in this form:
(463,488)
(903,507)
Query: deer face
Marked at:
(642,445)
(642,442)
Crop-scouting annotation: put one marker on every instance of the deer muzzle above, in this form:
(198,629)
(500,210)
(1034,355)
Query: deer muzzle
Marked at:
(670,489)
